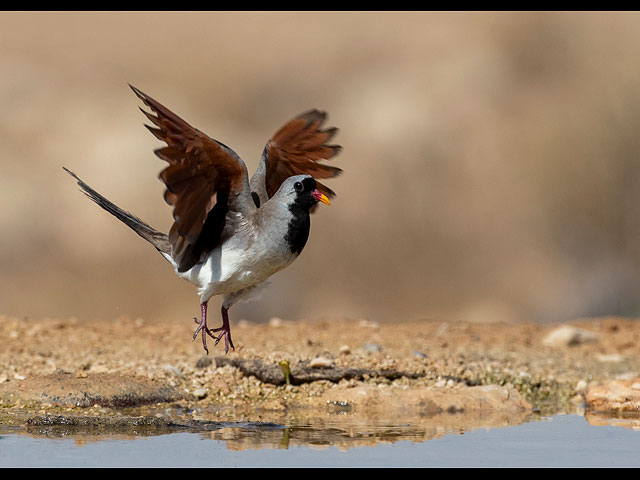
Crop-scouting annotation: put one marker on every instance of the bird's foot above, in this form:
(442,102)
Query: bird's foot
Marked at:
(202,327)
(225,332)
(225,329)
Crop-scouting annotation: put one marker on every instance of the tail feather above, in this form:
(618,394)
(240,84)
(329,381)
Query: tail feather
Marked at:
(158,239)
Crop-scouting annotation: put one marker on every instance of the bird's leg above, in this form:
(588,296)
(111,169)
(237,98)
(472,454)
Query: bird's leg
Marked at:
(202,326)
(225,331)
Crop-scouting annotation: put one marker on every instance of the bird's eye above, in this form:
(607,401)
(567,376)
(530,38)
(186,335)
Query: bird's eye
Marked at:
(298,186)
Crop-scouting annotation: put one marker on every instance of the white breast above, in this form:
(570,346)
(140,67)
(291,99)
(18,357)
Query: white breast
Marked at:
(235,266)
(255,250)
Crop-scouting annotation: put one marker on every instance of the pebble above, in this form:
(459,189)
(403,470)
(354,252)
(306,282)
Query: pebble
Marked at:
(344,350)
(173,369)
(199,393)
(276,322)
(371,347)
(321,362)
(568,335)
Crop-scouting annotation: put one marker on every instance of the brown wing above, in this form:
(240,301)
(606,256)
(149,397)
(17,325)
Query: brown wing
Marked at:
(201,174)
(296,149)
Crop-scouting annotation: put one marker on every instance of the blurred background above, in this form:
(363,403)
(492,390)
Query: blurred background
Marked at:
(491,160)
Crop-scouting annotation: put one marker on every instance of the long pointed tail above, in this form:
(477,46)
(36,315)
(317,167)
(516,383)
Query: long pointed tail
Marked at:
(157,239)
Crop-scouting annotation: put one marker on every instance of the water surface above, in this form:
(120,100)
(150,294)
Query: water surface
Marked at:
(555,441)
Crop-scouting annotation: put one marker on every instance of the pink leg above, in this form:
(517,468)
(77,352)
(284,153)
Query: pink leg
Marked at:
(202,326)
(225,331)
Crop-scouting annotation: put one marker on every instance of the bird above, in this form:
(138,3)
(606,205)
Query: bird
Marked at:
(230,233)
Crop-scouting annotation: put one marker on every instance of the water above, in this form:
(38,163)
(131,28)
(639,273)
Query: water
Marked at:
(555,441)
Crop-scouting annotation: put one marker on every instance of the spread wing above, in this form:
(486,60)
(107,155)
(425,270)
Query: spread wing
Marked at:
(201,177)
(297,149)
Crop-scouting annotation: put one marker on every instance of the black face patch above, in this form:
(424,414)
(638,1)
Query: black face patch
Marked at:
(299,225)
(304,188)
(308,184)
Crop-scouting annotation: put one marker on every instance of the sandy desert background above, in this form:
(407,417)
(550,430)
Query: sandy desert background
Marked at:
(491,160)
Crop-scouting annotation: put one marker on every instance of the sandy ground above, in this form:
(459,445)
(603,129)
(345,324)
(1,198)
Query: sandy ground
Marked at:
(349,366)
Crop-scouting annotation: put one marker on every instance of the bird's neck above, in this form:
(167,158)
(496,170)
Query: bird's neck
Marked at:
(298,229)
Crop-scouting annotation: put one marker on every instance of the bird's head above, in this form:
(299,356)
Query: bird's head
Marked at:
(302,189)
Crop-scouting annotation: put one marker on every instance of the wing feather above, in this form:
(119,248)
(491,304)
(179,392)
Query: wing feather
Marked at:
(201,175)
(297,149)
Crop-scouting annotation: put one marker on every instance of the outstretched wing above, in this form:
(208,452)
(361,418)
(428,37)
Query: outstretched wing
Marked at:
(297,149)
(201,177)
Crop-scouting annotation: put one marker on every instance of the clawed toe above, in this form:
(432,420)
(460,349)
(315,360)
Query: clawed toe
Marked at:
(226,334)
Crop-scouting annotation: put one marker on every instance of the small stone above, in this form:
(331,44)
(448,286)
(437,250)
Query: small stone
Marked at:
(344,350)
(199,393)
(568,335)
(442,330)
(321,362)
(276,322)
(173,369)
(371,347)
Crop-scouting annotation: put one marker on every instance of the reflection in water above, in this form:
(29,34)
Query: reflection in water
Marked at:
(630,420)
(239,431)
(558,441)
(274,430)
(347,431)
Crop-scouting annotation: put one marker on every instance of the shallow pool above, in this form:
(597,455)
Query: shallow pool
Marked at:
(554,441)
